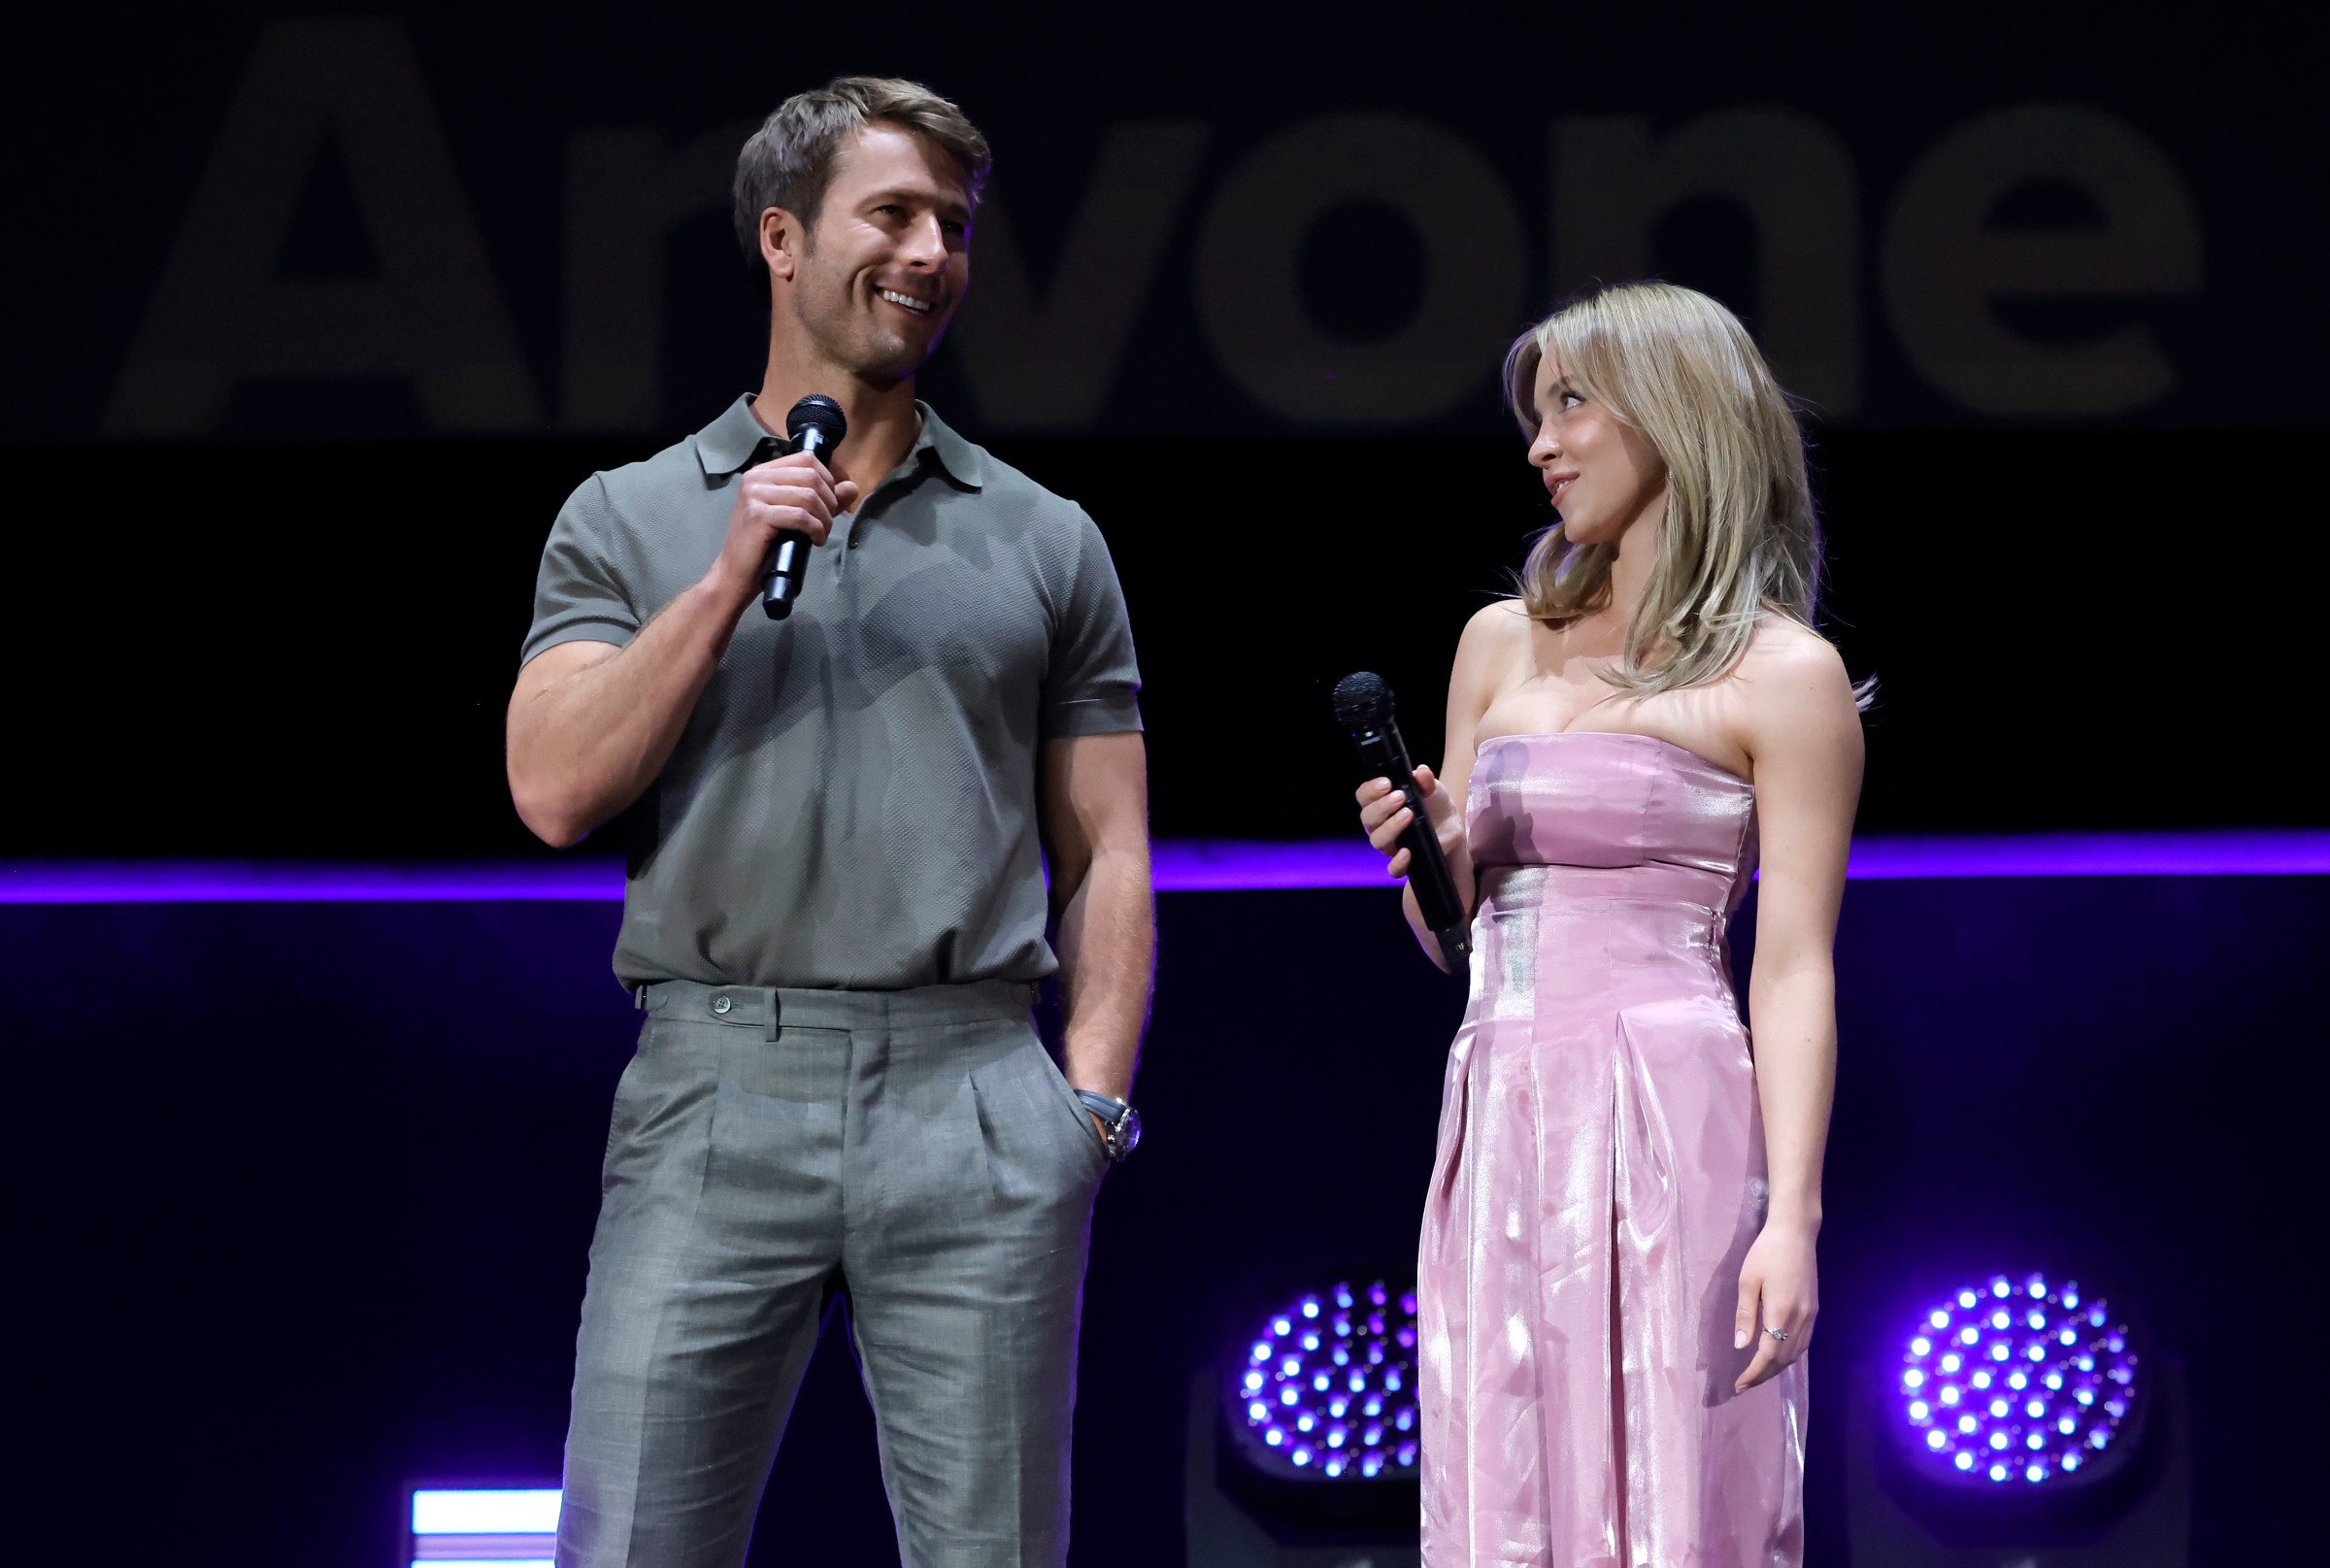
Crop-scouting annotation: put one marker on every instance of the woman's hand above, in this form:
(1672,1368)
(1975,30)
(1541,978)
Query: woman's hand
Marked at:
(1779,1288)
(1384,813)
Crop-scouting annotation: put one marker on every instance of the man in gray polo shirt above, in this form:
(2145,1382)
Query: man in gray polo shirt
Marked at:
(837,898)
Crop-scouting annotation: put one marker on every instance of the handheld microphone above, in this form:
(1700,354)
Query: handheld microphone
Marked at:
(1363,702)
(817,426)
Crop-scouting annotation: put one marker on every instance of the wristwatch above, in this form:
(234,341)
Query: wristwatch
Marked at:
(1122,1122)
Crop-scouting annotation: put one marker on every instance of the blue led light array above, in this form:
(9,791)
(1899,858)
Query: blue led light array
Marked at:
(2015,1383)
(1328,1384)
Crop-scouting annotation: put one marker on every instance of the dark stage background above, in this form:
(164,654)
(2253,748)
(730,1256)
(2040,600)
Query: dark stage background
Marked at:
(307,350)
(316,679)
(315,317)
(252,221)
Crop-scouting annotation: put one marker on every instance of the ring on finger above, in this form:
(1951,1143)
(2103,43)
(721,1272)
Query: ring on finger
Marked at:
(1779,1334)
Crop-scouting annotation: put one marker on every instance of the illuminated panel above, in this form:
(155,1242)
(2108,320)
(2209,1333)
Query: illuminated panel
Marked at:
(1179,865)
(2291,852)
(484,1527)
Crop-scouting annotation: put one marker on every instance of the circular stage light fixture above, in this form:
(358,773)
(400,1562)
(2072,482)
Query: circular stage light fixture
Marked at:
(1325,1390)
(2018,1383)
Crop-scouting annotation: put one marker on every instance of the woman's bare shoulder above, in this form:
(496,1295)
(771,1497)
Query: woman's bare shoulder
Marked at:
(1495,643)
(1792,677)
(1499,627)
(1789,650)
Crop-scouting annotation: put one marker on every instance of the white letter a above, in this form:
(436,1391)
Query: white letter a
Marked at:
(432,314)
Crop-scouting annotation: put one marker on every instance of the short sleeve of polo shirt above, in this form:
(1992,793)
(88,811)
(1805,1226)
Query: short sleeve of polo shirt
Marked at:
(1093,685)
(579,597)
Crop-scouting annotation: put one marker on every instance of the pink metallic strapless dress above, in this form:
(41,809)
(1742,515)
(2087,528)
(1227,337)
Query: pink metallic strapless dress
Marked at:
(1600,1176)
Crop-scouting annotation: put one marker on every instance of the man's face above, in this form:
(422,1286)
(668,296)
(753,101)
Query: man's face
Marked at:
(879,278)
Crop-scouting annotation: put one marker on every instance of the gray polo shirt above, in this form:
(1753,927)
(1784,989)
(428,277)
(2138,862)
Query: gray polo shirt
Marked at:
(853,801)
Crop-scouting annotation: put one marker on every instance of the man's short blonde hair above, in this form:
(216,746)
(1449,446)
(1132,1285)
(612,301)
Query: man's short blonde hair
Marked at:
(788,162)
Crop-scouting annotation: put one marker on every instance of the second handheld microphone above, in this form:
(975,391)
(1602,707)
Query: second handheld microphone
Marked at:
(817,426)
(1363,702)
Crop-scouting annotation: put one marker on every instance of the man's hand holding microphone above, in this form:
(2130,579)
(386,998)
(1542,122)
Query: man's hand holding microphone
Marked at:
(795,495)
(784,507)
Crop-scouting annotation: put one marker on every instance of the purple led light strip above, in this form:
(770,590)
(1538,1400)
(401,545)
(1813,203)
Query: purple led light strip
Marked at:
(220,882)
(1181,866)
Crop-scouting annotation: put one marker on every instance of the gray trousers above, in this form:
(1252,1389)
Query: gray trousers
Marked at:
(915,1151)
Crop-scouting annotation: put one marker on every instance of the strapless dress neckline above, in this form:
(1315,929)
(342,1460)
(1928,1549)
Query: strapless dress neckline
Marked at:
(1677,747)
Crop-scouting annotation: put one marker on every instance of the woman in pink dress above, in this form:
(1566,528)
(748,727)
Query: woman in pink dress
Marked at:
(1616,1278)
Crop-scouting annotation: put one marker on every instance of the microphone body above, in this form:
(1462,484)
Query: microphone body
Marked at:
(817,426)
(1363,702)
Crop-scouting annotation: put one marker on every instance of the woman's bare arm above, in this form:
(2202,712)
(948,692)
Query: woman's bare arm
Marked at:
(1804,735)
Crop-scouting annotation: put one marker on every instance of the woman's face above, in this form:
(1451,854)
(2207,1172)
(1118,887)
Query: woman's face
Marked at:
(1603,476)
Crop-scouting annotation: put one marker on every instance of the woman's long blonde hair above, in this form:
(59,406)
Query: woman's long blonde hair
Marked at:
(1740,542)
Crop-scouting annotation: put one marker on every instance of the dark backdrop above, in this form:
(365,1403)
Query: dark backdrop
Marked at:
(413,218)
(315,317)
(305,650)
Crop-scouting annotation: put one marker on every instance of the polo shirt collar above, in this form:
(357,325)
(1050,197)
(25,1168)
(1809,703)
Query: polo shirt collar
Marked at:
(727,446)
(961,460)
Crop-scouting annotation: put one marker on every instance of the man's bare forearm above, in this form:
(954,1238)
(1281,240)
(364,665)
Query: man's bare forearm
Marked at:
(587,743)
(1108,953)
(590,732)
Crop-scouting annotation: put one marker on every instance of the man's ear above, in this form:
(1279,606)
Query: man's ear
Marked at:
(780,240)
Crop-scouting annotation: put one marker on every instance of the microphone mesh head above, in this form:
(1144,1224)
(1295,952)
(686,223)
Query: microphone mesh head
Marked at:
(821,412)
(1362,701)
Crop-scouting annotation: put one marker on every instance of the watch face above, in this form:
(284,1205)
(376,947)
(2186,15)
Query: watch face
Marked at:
(1129,1131)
